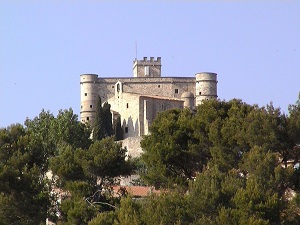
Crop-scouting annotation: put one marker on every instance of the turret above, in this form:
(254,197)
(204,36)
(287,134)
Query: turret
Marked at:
(147,68)
(88,96)
(188,99)
(206,87)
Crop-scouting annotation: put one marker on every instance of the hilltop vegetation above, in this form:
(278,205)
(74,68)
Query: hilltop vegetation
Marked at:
(224,163)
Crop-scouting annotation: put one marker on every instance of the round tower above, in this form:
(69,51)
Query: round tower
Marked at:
(88,97)
(188,99)
(206,87)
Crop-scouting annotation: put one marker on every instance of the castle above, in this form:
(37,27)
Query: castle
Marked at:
(138,99)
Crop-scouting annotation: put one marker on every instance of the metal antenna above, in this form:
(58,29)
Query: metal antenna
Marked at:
(135,50)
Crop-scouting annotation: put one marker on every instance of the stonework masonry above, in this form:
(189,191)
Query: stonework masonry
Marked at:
(138,99)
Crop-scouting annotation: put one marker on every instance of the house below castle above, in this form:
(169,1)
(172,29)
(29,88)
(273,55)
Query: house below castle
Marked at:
(138,99)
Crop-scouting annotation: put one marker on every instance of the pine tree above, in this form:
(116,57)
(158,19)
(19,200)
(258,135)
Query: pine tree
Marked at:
(98,126)
(103,121)
(107,120)
(118,130)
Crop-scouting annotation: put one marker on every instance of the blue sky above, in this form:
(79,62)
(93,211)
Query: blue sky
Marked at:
(254,47)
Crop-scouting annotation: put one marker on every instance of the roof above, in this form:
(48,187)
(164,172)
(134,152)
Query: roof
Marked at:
(187,94)
(136,191)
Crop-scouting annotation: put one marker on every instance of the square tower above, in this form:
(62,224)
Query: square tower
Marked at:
(147,68)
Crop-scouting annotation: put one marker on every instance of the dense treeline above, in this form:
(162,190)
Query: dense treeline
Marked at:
(229,161)
(224,163)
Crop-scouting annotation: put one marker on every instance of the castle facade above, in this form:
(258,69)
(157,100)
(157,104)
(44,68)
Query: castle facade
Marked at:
(137,100)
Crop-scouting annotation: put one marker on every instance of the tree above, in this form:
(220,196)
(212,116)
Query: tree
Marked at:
(102,126)
(294,121)
(107,120)
(171,153)
(104,160)
(64,129)
(87,175)
(24,194)
(118,129)
(98,126)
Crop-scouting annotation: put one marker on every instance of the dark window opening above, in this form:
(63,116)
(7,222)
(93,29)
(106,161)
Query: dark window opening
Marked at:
(127,105)
(81,106)
(91,106)
(118,87)
(88,118)
(85,94)
(200,93)
(126,129)
(158,86)
(113,86)
(176,91)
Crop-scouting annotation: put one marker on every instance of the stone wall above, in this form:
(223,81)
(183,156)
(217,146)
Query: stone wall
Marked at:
(133,145)
(147,86)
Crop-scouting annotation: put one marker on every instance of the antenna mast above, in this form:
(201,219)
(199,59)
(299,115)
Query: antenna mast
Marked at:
(135,50)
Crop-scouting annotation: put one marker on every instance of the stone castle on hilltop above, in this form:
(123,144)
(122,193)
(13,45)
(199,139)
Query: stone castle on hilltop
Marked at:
(138,99)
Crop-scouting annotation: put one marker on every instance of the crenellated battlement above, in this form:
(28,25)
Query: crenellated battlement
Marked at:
(147,67)
(146,60)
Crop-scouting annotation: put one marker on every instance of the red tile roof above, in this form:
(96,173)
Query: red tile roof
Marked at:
(136,191)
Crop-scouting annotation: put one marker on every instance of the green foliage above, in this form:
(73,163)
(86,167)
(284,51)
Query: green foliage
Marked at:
(98,126)
(67,165)
(118,129)
(205,193)
(171,154)
(75,211)
(108,127)
(128,213)
(102,126)
(239,147)
(224,163)
(23,191)
(87,174)
(168,208)
(105,159)
(62,130)
(294,121)
(105,218)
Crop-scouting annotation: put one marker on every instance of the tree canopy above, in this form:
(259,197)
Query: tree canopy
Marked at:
(102,126)
(226,162)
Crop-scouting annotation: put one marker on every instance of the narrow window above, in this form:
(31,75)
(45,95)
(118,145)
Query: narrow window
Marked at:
(91,106)
(199,92)
(147,70)
(158,86)
(176,91)
(85,94)
(127,105)
(126,129)
(88,118)
(118,87)
(113,86)
(81,106)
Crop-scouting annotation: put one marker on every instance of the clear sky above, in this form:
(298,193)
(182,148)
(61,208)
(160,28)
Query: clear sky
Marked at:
(254,48)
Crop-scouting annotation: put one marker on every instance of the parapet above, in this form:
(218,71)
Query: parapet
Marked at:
(145,60)
(206,76)
(147,67)
(88,77)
